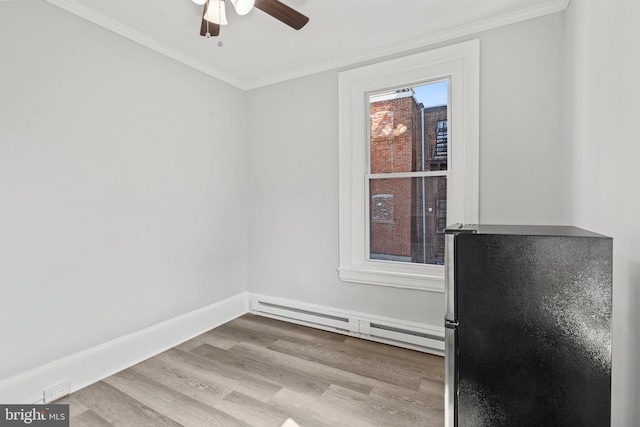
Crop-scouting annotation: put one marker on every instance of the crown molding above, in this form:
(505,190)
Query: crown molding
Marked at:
(424,41)
(76,8)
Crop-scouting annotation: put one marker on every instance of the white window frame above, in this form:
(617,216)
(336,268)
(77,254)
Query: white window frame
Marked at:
(460,65)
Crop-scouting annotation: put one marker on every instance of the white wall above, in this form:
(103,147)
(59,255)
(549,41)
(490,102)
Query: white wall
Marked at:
(122,187)
(601,163)
(293,202)
(293,170)
(521,89)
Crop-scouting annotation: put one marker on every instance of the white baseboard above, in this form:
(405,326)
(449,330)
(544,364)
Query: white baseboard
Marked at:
(94,364)
(401,333)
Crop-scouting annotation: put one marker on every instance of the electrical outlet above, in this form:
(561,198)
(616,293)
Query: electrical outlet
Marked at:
(57,392)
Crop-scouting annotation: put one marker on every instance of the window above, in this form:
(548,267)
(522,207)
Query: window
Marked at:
(406,169)
(407,158)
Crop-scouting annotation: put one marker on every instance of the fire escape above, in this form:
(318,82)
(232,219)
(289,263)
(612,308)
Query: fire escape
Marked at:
(439,162)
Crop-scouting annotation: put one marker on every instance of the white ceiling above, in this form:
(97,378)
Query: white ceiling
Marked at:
(258,50)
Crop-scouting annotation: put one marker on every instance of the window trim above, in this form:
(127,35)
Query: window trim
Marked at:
(460,64)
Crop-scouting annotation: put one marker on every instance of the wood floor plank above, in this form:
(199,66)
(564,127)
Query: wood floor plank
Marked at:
(432,386)
(361,363)
(210,338)
(219,374)
(401,354)
(253,411)
(430,402)
(229,331)
(174,405)
(312,333)
(256,371)
(263,370)
(190,345)
(312,411)
(305,367)
(119,409)
(378,411)
(273,329)
(419,364)
(88,419)
(187,383)
(75,406)
(244,408)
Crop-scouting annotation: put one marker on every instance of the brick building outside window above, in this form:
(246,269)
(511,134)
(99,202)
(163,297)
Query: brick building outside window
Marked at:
(407,214)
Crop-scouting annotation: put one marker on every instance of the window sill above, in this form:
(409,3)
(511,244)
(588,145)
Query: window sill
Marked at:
(430,283)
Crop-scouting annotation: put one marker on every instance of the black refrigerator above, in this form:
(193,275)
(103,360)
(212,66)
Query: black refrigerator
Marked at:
(527,326)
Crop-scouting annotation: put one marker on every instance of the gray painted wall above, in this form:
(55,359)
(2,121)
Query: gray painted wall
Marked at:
(122,187)
(293,170)
(602,104)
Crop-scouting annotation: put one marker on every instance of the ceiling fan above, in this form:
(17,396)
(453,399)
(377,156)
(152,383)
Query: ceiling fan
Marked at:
(213,13)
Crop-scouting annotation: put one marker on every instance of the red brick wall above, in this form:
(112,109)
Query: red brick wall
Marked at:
(404,235)
(391,153)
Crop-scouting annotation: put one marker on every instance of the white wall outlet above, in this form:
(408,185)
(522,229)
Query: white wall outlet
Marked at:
(57,392)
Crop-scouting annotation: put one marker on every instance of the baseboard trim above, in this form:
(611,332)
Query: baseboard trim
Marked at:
(96,363)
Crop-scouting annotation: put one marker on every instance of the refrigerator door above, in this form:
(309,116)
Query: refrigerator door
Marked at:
(451,324)
(451,233)
(534,340)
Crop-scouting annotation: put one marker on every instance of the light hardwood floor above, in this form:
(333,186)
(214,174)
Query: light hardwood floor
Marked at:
(256,371)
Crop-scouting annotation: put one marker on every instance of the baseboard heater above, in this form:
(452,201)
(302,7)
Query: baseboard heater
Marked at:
(401,334)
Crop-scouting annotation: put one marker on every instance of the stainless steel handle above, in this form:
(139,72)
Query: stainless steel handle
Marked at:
(451,324)
(450,382)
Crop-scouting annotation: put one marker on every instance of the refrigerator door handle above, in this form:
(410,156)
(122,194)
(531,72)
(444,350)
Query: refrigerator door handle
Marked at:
(451,324)
(450,380)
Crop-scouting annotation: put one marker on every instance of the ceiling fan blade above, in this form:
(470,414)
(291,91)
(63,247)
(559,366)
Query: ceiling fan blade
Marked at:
(283,13)
(214,29)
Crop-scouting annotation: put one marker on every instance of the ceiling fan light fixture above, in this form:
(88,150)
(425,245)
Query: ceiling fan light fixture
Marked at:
(216,12)
(243,6)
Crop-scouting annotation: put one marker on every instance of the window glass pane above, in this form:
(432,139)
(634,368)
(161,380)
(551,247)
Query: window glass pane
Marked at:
(407,219)
(408,129)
